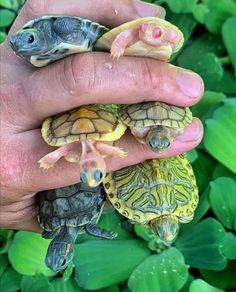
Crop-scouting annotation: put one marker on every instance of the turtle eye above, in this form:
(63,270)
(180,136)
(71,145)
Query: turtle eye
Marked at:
(30,39)
(84,177)
(154,143)
(97,175)
(165,143)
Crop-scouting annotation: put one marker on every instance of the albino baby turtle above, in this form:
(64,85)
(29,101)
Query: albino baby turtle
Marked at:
(155,123)
(149,37)
(52,37)
(65,213)
(157,193)
(94,127)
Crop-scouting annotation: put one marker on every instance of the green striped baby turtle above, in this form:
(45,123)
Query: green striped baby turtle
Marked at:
(157,193)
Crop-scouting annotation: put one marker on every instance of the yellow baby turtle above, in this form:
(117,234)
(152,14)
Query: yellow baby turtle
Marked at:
(157,193)
(149,37)
(94,127)
(155,123)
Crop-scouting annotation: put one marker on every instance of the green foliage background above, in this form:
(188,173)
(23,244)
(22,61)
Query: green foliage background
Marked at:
(203,258)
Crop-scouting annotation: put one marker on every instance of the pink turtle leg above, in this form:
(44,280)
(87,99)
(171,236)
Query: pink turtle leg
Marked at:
(122,41)
(109,150)
(71,152)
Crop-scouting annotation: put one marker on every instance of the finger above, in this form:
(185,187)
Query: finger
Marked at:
(108,12)
(95,78)
(26,174)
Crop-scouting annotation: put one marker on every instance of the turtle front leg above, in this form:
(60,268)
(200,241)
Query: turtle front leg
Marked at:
(109,150)
(92,229)
(71,152)
(122,41)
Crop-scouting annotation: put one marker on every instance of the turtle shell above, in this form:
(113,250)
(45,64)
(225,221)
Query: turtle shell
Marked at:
(74,205)
(140,48)
(154,188)
(60,36)
(149,114)
(92,122)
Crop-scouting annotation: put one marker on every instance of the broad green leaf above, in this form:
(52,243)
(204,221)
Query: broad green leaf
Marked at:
(164,272)
(223,201)
(201,245)
(203,167)
(5,240)
(181,6)
(11,4)
(225,279)
(4,262)
(187,284)
(3,36)
(219,139)
(204,108)
(221,170)
(37,283)
(27,254)
(229,38)
(227,84)
(10,280)
(113,288)
(200,285)
(192,155)
(199,12)
(70,285)
(6,17)
(229,246)
(100,263)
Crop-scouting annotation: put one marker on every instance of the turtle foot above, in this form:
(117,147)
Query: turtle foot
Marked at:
(116,54)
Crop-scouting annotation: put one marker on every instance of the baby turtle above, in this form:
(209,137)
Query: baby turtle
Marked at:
(52,37)
(157,193)
(155,123)
(65,213)
(93,127)
(149,37)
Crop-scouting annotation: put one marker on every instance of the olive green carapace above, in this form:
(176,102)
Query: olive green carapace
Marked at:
(66,212)
(160,193)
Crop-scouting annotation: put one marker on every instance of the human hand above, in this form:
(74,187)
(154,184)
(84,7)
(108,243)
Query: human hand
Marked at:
(29,95)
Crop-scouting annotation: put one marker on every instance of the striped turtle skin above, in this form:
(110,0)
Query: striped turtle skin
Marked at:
(158,193)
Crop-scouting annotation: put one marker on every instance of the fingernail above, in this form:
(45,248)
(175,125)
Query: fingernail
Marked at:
(190,83)
(146,9)
(194,132)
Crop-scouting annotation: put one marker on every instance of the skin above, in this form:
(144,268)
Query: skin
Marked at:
(29,95)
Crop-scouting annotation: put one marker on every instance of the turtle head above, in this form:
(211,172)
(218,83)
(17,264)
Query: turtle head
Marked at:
(59,254)
(28,42)
(158,139)
(92,170)
(166,227)
(150,33)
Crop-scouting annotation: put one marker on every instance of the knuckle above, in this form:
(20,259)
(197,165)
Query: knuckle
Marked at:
(78,74)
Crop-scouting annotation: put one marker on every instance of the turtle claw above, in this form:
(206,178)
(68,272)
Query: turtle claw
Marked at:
(121,153)
(44,165)
(115,55)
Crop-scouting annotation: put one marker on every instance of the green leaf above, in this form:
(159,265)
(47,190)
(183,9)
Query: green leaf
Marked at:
(70,285)
(164,272)
(225,279)
(201,245)
(229,38)
(218,139)
(11,4)
(10,280)
(200,285)
(100,263)
(221,170)
(4,262)
(6,17)
(227,84)
(203,167)
(27,254)
(181,6)
(204,108)
(192,155)
(187,284)
(37,283)
(223,201)
(229,246)
(199,12)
